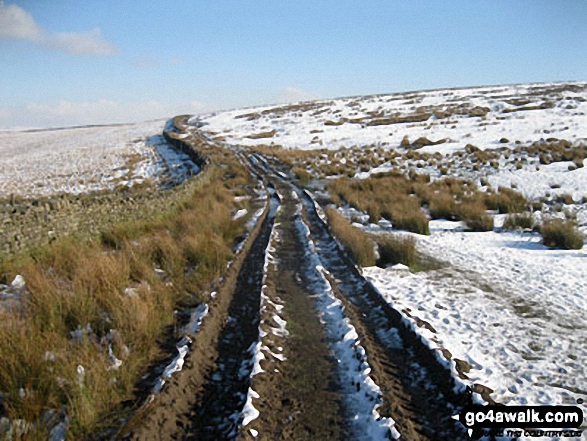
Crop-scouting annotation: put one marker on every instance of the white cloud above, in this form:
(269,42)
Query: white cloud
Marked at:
(293,94)
(81,43)
(18,24)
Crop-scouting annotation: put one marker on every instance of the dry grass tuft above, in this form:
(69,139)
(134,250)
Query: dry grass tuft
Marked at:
(396,249)
(561,234)
(511,201)
(519,221)
(356,242)
(386,195)
(473,212)
(77,306)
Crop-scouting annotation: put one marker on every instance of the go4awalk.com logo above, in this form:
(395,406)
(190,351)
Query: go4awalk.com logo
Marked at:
(516,421)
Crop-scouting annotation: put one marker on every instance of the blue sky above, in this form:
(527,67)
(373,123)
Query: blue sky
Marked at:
(68,62)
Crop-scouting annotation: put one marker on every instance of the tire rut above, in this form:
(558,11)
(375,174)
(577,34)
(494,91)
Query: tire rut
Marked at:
(218,414)
(418,391)
(298,398)
(342,361)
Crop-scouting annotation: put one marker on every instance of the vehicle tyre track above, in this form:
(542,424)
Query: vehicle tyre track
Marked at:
(218,414)
(419,392)
(298,398)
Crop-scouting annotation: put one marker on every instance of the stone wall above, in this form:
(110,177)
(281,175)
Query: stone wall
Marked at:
(37,221)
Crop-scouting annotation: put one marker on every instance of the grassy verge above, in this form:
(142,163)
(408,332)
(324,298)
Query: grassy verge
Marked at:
(90,303)
(396,249)
(357,243)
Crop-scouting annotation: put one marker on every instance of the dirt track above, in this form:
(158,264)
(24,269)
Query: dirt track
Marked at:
(267,356)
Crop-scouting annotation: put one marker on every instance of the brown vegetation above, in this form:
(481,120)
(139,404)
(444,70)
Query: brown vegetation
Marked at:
(88,302)
(561,234)
(396,249)
(385,195)
(357,243)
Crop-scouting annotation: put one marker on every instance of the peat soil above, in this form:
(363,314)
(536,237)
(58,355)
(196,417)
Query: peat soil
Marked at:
(418,391)
(262,365)
(298,395)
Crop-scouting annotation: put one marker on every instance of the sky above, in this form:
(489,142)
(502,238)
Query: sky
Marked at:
(67,62)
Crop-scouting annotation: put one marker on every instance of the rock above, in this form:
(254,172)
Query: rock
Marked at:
(18,283)
(423,142)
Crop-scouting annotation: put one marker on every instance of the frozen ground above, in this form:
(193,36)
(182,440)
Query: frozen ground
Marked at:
(45,162)
(479,116)
(502,121)
(511,308)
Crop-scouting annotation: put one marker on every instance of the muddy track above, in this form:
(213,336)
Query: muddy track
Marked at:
(299,346)
(172,413)
(298,397)
(418,392)
(218,414)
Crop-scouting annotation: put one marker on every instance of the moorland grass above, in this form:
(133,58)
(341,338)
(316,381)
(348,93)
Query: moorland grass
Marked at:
(396,249)
(561,234)
(356,242)
(77,312)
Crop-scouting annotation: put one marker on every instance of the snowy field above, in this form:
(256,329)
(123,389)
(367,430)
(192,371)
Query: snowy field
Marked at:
(501,121)
(513,310)
(479,116)
(510,307)
(78,160)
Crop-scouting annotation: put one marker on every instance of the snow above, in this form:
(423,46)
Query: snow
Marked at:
(566,119)
(260,348)
(196,317)
(362,394)
(534,183)
(240,213)
(11,296)
(249,412)
(510,307)
(78,160)
(17,283)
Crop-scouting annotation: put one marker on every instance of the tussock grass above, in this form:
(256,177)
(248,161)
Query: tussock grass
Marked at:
(405,214)
(444,206)
(473,212)
(385,195)
(396,249)
(303,175)
(400,199)
(518,221)
(561,234)
(511,201)
(357,243)
(77,308)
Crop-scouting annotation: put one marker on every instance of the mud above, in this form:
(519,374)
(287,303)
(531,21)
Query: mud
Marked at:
(295,390)
(171,413)
(298,398)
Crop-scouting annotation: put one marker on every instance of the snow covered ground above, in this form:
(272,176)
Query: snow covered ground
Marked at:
(77,160)
(511,308)
(479,116)
(503,121)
